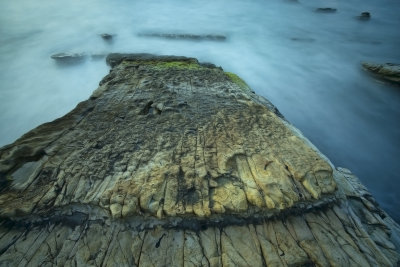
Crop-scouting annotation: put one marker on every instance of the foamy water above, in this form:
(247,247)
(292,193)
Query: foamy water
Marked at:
(306,63)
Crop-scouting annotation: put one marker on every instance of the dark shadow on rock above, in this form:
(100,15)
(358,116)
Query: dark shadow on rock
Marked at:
(184,36)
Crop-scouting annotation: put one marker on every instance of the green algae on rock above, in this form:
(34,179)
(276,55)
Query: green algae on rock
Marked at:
(236,79)
(172,162)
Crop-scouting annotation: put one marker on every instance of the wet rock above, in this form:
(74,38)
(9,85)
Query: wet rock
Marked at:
(326,10)
(69,58)
(172,162)
(192,37)
(388,71)
(364,16)
(107,36)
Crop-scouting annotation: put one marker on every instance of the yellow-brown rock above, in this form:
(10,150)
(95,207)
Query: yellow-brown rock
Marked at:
(176,163)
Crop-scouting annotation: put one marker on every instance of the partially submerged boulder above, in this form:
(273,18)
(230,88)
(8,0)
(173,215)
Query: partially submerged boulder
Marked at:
(68,58)
(388,71)
(186,36)
(364,16)
(175,163)
(107,36)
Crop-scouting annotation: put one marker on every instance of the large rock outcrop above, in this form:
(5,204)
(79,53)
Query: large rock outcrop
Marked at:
(176,163)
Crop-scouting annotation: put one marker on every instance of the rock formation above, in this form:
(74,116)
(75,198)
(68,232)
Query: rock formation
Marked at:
(388,71)
(175,163)
(364,16)
(107,36)
(326,10)
(186,36)
(68,58)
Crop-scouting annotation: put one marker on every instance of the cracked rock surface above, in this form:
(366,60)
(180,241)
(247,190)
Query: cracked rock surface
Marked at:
(176,163)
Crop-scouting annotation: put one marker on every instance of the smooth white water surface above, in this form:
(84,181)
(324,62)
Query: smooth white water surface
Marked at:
(304,62)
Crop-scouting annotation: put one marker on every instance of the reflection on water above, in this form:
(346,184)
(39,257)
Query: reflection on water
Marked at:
(306,62)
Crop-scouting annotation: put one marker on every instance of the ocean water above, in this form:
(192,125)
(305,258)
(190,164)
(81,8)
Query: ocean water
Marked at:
(304,62)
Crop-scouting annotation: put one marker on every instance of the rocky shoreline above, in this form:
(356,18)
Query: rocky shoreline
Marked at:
(172,162)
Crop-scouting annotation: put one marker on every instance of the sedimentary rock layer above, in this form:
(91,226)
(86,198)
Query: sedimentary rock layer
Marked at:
(172,162)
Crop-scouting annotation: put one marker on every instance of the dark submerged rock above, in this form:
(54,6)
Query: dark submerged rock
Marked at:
(326,10)
(107,36)
(192,37)
(364,16)
(302,39)
(69,58)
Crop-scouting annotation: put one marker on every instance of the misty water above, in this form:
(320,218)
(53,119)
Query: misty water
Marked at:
(304,62)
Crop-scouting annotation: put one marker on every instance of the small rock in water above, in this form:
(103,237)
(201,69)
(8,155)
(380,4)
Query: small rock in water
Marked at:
(106,36)
(302,39)
(184,36)
(68,58)
(326,10)
(364,16)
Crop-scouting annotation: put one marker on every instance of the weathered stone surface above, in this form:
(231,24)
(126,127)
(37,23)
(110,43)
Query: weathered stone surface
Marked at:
(387,71)
(364,16)
(175,163)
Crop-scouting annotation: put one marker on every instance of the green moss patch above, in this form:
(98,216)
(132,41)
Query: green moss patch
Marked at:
(178,65)
(237,80)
